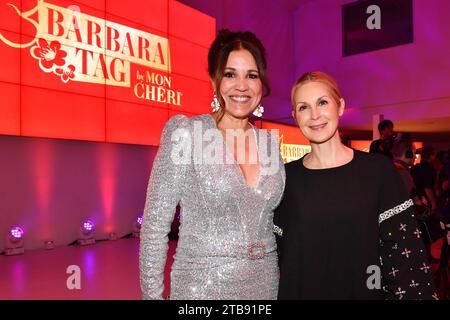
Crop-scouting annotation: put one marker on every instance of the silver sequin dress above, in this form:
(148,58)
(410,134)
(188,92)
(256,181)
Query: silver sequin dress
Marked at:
(226,247)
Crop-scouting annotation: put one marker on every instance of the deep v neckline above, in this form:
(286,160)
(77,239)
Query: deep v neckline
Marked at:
(235,164)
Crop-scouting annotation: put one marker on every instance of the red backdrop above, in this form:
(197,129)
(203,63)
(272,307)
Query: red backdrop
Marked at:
(104,70)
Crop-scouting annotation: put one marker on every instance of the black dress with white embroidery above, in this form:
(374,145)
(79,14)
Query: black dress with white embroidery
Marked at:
(349,233)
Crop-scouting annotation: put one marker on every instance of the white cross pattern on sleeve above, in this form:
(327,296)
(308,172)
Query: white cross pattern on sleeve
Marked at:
(424,267)
(393,272)
(417,233)
(394,211)
(400,293)
(406,252)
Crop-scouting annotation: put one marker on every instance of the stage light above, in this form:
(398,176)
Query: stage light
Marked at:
(17,233)
(86,235)
(14,241)
(88,227)
(137,227)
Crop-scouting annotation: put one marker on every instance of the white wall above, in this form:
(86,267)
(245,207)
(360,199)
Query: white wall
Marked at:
(49,186)
(407,82)
(272,22)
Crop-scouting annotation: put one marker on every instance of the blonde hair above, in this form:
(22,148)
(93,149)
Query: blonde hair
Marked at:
(317,76)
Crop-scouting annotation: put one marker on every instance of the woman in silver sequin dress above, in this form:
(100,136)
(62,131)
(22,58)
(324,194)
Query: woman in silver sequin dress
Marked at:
(227,190)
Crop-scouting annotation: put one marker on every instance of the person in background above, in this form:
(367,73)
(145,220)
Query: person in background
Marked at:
(404,154)
(346,225)
(387,137)
(441,183)
(424,176)
(442,277)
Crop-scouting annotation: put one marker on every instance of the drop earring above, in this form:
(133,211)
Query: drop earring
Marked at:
(259,111)
(215,104)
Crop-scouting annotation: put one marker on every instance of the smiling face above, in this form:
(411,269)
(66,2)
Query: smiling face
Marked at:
(317,111)
(241,86)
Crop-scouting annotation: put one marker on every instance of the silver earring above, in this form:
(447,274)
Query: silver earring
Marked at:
(259,111)
(215,104)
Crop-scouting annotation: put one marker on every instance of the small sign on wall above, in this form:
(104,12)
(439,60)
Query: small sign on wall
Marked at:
(370,25)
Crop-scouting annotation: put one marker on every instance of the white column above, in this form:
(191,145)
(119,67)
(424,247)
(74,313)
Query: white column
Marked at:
(376,119)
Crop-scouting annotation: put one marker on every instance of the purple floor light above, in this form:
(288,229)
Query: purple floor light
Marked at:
(137,224)
(14,241)
(17,233)
(86,235)
(88,226)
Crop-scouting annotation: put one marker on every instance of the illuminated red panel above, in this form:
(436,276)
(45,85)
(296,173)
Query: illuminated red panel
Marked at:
(9,59)
(33,75)
(10,109)
(132,23)
(197,95)
(9,20)
(418,145)
(53,114)
(189,59)
(146,92)
(30,30)
(97,4)
(30,4)
(362,145)
(76,110)
(133,123)
(190,24)
(127,93)
(152,13)
(291,134)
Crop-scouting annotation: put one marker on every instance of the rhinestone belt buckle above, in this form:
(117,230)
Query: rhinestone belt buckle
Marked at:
(256,251)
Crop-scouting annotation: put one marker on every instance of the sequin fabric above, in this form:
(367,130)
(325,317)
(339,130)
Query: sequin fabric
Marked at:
(226,247)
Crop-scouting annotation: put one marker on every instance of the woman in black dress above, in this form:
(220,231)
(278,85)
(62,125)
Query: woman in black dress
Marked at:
(346,227)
